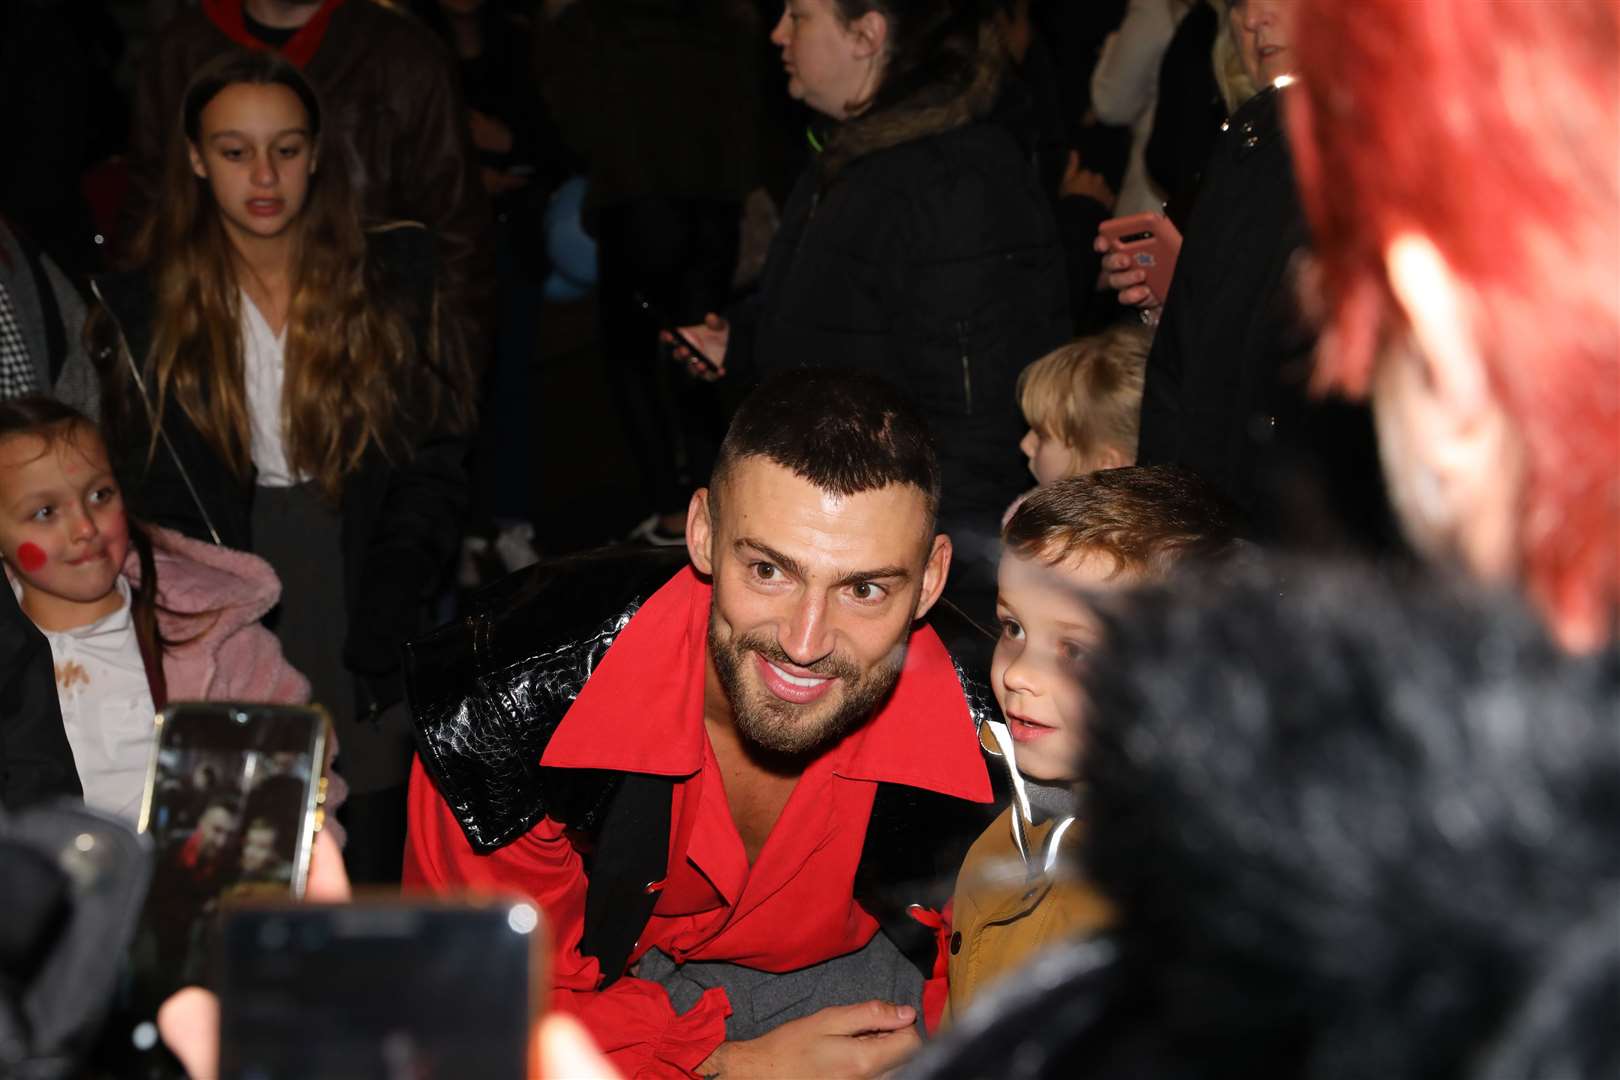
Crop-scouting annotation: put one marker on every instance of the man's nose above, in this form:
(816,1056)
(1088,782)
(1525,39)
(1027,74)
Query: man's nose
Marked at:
(806,637)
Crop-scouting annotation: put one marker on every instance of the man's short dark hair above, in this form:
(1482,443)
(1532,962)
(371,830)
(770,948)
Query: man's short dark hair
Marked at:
(1147,518)
(845,432)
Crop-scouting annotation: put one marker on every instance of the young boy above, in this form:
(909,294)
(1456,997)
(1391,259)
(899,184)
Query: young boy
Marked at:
(1082,403)
(1086,534)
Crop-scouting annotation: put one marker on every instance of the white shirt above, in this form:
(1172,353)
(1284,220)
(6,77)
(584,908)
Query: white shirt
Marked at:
(107,708)
(264,368)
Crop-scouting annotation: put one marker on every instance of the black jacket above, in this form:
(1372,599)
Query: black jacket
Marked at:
(1227,391)
(929,257)
(36,762)
(488,691)
(401,519)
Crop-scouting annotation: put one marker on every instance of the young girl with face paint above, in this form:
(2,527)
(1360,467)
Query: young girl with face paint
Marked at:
(134,618)
(273,384)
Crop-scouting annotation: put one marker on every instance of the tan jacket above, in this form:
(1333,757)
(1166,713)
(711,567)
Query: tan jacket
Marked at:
(1004,912)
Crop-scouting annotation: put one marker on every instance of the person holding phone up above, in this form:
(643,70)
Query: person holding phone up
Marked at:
(1226,389)
(918,245)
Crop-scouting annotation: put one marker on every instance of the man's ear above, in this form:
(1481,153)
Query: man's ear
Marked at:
(1456,446)
(700,532)
(1434,301)
(871,33)
(935,572)
(196,160)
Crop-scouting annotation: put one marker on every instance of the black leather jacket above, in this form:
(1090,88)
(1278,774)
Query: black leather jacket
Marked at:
(488,691)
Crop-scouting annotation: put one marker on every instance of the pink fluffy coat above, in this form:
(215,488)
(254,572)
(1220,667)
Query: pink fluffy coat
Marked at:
(211,599)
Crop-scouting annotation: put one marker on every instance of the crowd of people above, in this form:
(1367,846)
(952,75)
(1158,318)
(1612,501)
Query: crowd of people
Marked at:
(1130,575)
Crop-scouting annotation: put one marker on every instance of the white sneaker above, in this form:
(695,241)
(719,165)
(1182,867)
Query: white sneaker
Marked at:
(514,546)
(648,532)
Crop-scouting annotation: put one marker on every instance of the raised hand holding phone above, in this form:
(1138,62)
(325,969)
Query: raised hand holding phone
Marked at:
(701,347)
(1139,257)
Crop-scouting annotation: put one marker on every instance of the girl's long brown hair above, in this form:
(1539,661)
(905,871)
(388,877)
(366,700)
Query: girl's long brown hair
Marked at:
(352,369)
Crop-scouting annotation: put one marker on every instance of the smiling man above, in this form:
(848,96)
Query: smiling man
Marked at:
(744,770)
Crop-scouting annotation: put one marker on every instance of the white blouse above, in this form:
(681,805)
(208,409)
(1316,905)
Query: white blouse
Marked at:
(107,708)
(264,368)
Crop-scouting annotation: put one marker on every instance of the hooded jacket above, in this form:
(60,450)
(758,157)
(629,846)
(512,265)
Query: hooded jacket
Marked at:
(920,247)
(1013,897)
(210,601)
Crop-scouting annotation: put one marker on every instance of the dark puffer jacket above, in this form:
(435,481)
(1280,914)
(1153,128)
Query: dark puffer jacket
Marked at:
(927,254)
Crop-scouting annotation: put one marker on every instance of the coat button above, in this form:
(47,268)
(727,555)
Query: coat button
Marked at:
(956,942)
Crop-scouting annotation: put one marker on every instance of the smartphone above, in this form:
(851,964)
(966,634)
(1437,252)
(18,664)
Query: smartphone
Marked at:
(233,797)
(669,328)
(1137,236)
(379,988)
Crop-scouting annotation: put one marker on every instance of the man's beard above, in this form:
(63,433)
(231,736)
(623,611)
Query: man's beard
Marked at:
(787,730)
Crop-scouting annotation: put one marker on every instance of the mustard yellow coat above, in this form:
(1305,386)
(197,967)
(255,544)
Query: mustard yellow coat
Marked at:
(1004,912)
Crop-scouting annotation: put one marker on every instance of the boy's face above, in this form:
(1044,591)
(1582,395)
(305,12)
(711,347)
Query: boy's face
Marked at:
(1046,632)
(1050,458)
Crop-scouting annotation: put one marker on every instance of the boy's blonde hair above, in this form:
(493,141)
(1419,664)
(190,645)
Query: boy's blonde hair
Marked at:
(1088,393)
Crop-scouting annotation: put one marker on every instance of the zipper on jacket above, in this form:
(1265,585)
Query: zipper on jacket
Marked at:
(967,367)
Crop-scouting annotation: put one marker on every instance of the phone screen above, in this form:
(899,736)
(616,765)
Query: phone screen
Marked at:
(230,805)
(385,988)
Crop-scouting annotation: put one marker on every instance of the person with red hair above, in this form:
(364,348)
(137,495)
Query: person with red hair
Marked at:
(1458,164)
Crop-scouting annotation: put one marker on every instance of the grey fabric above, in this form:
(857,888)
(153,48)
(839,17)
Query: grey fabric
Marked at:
(1047,801)
(300,536)
(763,1000)
(76,384)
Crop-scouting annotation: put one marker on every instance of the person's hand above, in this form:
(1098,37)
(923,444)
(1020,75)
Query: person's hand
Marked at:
(1083,183)
(563,1050)
(489,133)
(189,1020)
(1120,272)
(712,336)
(865,1040)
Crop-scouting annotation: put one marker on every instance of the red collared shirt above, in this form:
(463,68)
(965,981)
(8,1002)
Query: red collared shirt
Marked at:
(642,711)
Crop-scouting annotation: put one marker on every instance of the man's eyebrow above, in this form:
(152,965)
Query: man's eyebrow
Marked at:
(882,573)
(786,562)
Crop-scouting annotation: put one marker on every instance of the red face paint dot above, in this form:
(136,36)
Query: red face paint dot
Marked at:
(30,557)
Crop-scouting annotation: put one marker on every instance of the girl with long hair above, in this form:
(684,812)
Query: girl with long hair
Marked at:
(272,384)
(135,617)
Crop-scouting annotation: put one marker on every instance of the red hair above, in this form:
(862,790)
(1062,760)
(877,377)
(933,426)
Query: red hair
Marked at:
(1493,129)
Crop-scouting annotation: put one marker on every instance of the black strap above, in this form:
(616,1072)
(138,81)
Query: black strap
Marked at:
(55,335)
(627,871)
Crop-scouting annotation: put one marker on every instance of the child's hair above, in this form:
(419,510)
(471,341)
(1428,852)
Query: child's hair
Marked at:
(351,359)
(1148,518)
(53,422)
(1088,393)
